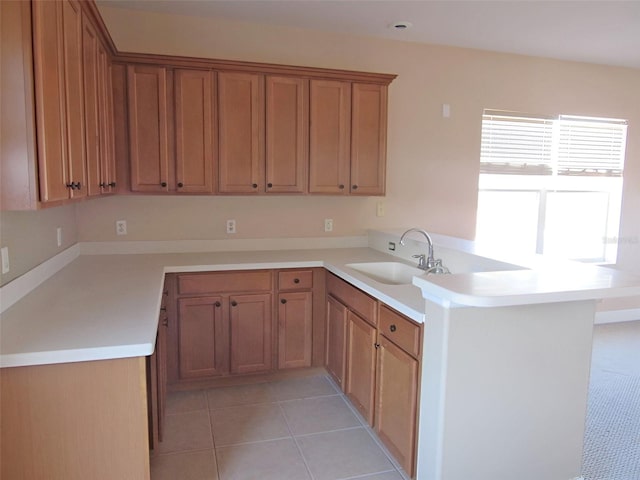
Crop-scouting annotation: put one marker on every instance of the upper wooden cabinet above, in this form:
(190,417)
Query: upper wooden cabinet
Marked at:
(55,62)
(171,129)
(330,136)
(194,130)
(255,128)
(348,135)
(98,112)
(287,134)
(368,139)
(241,132)
(57,31)
(148,130)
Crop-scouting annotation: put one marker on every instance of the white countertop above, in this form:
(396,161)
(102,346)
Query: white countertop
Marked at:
(106,306)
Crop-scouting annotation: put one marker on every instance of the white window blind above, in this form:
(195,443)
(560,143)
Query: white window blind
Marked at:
(516,144)
(524,144)
(591,146)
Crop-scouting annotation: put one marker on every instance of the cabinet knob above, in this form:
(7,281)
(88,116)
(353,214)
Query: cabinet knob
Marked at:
(269,185)
(393,328)
(217,304)
(180,185)
(255,185)
(234,304)
(165,321)
(377,345)
(354,187)
(112,184)
(296,280)
(283,301)
(341,187)
(163,184)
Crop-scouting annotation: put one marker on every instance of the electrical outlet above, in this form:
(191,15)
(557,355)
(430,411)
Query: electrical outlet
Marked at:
(380,209)
(121,227)
(5,259)
(59,236)
(328,224)
(231,226)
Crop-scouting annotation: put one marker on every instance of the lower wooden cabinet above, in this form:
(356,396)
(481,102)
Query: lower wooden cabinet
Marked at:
(373,353)
(397,402)
(218,335)
(361,365)
(251,333)
(243,322)
(203,337)
(336,361)
(295,329)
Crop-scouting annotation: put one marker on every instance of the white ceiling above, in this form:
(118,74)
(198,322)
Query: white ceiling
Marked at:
(596,31)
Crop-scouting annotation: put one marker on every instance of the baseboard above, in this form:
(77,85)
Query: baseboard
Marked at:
(615,316)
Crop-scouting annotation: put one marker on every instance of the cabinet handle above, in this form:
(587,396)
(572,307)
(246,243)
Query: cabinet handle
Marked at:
(163,309)
(283,301)
(255,185)
(393,328)
(296,280)
(341,187)
(217,304)
(354,187)
(112,184)
(180,185)
(269,185)
(163,184)
(103,185)
(166,292)
(165,321)
(234,303)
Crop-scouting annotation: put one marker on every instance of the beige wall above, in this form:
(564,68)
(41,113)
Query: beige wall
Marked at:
(32,238)
(432,161)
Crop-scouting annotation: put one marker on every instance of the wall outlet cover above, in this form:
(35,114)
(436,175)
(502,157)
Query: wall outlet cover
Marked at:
(5,259)
(121,227)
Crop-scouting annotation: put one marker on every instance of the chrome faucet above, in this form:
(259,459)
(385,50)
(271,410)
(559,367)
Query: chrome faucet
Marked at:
(430,261)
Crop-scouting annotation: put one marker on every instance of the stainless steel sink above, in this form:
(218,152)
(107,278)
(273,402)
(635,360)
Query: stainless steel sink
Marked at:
(390,273)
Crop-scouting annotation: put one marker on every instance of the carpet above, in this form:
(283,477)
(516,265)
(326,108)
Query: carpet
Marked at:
(612,437)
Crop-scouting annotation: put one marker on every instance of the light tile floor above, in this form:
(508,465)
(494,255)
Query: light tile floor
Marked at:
(295,429)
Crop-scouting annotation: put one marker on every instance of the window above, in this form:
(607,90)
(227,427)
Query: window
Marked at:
(551,185)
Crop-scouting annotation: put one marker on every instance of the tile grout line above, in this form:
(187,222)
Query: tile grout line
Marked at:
(295,441)
(213,440)
(373,436)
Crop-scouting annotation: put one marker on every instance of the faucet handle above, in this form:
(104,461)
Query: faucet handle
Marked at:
(422,263)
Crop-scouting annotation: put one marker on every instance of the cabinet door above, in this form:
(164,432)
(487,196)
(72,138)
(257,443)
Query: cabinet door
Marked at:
(241,132)
(368,139)
(74,106)
(251,330)
(202,337)
(194,112)
(329,136)
(148,134)
(294,329)
(105,107)
(287,124)
(396,404)
(50,101)
(336,340)
(361,364)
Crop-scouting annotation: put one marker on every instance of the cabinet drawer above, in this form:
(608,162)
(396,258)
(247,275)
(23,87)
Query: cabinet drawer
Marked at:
(295,279)
(220,282)
(353,298)
(400,330)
